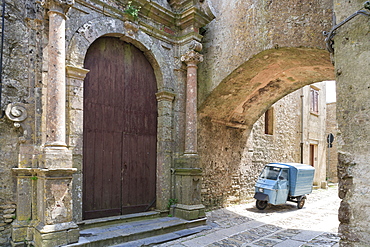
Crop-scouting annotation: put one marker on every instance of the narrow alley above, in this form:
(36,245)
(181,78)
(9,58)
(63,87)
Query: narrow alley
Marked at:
(279,226)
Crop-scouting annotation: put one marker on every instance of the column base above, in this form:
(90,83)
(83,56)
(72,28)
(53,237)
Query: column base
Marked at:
(20,231)
(57,157)
(56,235)
(189,212)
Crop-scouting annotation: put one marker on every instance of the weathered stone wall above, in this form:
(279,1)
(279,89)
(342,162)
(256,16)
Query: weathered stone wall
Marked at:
(282,146)
(351,56)
(21,79)
(332,153)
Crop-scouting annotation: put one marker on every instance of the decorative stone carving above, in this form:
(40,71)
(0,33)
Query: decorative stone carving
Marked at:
(16,112)
(58,5)
(195,45)
(192,57)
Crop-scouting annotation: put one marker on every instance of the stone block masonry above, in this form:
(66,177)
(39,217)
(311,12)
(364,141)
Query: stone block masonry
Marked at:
(7,216)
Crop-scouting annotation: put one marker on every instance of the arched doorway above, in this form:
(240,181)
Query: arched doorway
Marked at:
(120,130)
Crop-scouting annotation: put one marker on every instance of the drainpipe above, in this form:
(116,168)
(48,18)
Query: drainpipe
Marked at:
(301,144)
(1,58)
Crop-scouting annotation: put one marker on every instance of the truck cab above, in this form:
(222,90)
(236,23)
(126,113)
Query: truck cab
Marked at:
(281,182)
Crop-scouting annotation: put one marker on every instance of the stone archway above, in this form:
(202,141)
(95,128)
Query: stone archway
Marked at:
(161,63)
(229,112)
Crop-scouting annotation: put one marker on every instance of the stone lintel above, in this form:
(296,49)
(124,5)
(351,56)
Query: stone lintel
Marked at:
(189,212)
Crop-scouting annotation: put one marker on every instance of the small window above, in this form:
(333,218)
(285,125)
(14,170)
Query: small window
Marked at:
(269,121)
(314,97)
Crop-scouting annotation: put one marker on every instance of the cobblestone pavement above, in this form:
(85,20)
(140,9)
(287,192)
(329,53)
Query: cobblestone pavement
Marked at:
(279,226)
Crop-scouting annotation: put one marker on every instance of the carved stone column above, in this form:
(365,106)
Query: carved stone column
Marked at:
(191,58)
(187,174)
(56,89)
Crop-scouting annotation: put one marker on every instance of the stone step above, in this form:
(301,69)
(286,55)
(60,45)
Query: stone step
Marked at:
(120,233)
(86,224)
(160,239)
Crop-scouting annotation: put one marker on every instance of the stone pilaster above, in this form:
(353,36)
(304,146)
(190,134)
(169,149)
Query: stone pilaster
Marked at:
(75,81)
(55,225)
(164,148)
(26,182)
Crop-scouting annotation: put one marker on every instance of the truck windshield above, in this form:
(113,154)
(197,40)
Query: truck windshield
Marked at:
(270,172)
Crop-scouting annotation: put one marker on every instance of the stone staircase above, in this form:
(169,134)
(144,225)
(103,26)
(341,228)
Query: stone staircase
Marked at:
(142,229)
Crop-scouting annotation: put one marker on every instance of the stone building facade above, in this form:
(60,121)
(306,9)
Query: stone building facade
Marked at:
(45,98)
(254,53)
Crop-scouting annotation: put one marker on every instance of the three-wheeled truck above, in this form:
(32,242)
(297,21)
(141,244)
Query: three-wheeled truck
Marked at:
(282,182)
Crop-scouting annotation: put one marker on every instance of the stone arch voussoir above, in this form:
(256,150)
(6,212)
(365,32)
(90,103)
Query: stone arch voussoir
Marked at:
(127,31)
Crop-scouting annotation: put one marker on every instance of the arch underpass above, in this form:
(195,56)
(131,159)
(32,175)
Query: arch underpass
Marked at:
(227,115)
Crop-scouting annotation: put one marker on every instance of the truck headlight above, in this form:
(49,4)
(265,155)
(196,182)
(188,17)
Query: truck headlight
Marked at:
(260,190)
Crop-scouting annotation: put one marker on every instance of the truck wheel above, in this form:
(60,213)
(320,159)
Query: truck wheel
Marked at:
(300,203)
(261,205)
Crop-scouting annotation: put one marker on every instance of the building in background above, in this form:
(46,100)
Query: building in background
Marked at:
(291,130)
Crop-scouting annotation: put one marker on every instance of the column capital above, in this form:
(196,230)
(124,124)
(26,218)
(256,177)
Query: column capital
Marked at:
(60,6)
(76,72)
(192,58)
(165,96)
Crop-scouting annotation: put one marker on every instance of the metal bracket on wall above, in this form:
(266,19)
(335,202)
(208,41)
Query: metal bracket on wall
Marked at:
(329,35)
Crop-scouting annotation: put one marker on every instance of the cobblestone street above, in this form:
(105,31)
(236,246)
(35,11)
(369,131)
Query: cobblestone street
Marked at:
(279,226)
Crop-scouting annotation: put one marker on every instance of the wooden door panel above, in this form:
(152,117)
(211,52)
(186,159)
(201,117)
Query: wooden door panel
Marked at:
(120,130)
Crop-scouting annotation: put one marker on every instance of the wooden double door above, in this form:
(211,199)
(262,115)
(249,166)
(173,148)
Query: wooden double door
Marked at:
(119,130)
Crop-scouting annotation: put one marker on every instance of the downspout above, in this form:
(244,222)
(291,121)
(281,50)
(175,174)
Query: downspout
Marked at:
(1,58)
(301,144)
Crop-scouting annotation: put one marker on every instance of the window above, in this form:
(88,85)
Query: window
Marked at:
(269,121)
(314,97)
(270,172)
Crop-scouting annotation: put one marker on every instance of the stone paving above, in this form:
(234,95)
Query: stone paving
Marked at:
(279,226)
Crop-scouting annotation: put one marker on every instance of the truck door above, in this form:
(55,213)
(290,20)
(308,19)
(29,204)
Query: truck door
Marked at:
(283,186)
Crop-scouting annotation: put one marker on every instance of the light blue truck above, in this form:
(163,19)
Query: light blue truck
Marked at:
(282,182)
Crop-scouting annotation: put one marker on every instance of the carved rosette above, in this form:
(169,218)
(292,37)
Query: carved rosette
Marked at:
(192,58)
(58,5)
